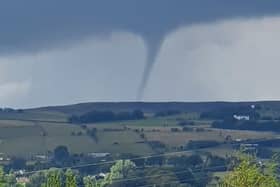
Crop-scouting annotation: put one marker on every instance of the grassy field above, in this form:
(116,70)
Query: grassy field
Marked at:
(159,129)
(35,135)
(22,138)
(126,143)
(181,138)
(155,121)
(150,122)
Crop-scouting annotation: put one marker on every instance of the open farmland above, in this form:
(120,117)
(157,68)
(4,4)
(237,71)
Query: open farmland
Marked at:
(181,138)
(22,138)
(39,131)
(27,138)
(122,142)
(150,122)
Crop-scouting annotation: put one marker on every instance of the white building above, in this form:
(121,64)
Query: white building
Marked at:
(239,117)
(98,155)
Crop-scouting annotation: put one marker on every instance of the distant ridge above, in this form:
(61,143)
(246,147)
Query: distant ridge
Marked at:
(152,106)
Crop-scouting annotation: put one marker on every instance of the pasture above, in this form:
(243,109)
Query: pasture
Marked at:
(22,138)
(30,137)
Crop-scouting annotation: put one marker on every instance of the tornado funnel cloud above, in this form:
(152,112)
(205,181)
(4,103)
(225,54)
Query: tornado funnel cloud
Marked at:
(153,48)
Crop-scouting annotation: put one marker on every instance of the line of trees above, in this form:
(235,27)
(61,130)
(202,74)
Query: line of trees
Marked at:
(126,169)
(105,116)
(246,171)
(54,177)
(228,112)
(200,144)
(167,113)
(10,110)
(248,125)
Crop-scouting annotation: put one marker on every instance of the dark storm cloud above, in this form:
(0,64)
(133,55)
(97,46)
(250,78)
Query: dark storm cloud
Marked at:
(27,25)
(32,25)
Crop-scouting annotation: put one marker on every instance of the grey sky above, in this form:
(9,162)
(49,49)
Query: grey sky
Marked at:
(60,52)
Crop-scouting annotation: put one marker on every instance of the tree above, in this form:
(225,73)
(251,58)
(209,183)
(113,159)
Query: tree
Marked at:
(54,178)
(88,181)
(249,174)
(7,180)
(37,179)
(93,134)
(61,153)
(138,114)
(92,182)
(18,163)
(11,180)
(2,177)
(121,169)
(156,160)
(70,179)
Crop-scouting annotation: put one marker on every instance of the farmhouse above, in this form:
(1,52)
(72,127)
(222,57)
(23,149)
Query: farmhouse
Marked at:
(4,157)
(98,155)
(19,172)
(100,176)
(249,148)
(240,117)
